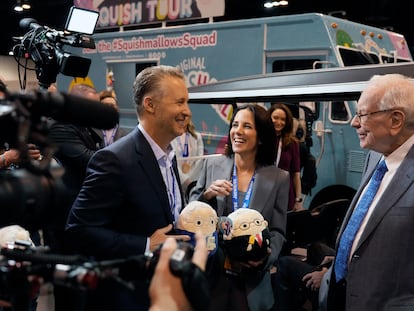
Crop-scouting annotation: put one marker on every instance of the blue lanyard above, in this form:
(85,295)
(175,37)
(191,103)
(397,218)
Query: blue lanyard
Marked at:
(111,140)
(235,192)
(184,149)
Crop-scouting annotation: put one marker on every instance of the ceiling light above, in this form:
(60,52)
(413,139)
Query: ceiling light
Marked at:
(19,7)
(271,4)
(26,6)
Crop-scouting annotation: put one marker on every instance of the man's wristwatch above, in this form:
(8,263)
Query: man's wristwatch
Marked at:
(298,200)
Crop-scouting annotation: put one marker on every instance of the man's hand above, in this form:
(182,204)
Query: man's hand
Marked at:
(160,235)
(313,280)
(166,291)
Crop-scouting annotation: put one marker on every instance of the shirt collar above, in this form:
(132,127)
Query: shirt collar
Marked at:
(397,156)
(158,152)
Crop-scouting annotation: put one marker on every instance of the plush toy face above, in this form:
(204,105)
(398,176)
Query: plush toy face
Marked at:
(199,216)
(249,237)
(11,234)
(247,221)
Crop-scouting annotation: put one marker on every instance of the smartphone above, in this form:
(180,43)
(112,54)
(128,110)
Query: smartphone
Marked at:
(81,20)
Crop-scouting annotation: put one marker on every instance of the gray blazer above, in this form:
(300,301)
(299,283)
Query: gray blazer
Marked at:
(381,271)
(269,197)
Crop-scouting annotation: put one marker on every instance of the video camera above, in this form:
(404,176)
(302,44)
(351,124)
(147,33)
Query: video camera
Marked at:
(45,46)
(24,267)
(36,187)
(30,193)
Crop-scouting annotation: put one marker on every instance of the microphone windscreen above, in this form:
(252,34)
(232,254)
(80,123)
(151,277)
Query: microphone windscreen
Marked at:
(75,109)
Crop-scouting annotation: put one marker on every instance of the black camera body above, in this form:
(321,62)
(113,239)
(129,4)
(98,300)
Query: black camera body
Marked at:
(23,266)
(44,46)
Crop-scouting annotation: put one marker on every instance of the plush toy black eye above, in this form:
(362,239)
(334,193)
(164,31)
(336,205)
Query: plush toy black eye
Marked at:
(244,226)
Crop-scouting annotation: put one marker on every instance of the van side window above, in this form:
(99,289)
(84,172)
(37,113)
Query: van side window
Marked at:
(339,112)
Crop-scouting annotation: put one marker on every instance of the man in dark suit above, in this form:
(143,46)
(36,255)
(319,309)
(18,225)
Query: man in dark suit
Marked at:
(75,146)
(109,136)
(379,268)
(132,193)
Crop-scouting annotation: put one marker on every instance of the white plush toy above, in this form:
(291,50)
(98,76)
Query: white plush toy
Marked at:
(12,233)
(248,236)
(199,216)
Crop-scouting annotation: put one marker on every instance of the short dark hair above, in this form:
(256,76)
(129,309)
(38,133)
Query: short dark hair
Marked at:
(266,135)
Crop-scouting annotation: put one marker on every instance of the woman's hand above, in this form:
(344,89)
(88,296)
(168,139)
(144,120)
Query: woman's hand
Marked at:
(219,187)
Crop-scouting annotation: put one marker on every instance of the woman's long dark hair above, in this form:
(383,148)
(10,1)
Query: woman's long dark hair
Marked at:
(287,134)
(266,135)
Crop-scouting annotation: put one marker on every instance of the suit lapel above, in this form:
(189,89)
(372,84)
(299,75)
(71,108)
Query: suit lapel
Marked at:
(402,180)
(260,194)
(150,167)
(177,175)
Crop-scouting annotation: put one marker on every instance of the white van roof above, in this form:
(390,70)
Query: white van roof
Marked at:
(337,84)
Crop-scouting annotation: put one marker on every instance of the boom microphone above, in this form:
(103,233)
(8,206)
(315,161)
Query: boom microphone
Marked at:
(69,108)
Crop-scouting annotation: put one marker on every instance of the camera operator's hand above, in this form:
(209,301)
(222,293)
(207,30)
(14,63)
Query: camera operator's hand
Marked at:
(12,156)
(9,157)
(160,235)
(166,290)
(33,152)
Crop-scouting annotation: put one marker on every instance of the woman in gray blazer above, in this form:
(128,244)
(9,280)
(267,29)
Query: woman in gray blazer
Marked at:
(246,177)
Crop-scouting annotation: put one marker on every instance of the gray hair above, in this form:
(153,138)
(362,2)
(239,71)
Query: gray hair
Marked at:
(395,91)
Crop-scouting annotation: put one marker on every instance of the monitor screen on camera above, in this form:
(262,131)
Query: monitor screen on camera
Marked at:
(81,20)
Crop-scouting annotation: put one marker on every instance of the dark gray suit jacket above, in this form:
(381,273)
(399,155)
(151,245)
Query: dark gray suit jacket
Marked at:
(122,202)
(381,271)
(269,197)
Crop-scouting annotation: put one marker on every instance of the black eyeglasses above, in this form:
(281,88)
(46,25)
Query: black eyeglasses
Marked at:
(360,115)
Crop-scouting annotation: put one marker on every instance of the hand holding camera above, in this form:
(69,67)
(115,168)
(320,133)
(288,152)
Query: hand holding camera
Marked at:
(179,283)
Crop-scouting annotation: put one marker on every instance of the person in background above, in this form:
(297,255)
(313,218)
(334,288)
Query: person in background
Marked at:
(373,268)
(288,156)
(298,279)
(299,129)
(246,177)
(10,157)
(75,146)
(132,192)
(110,135)
(190,144)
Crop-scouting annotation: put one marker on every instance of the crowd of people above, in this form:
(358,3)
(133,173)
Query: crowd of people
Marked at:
(125,191)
